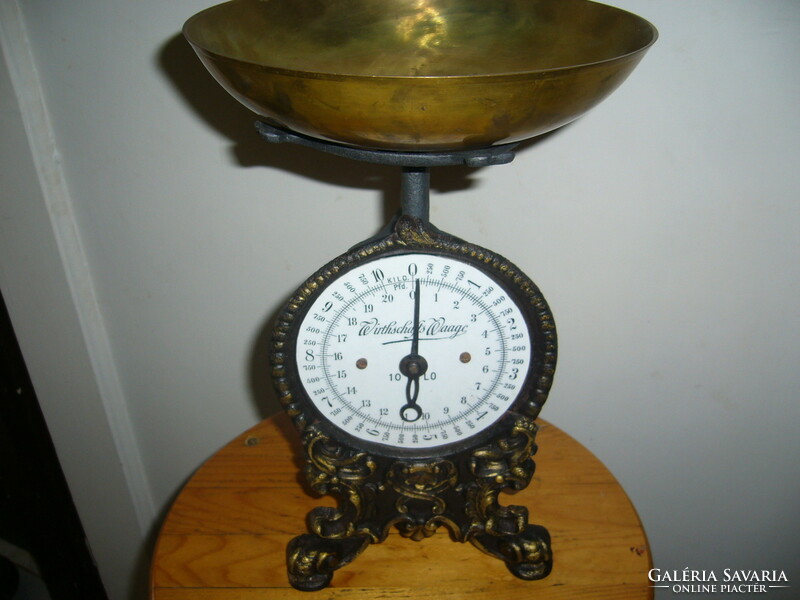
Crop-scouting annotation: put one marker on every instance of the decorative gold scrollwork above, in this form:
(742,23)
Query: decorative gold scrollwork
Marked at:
(503,531)
(421,481)
(307,562)
(334,469)
(418,531)
(527,558)
(504,464)
(507,461)
(311,560)
(330,463)
(424,482)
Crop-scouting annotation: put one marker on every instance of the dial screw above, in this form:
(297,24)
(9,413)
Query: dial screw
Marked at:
(361,363)
(465,357)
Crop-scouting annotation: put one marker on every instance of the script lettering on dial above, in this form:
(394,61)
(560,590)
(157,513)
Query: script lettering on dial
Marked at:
(413,351)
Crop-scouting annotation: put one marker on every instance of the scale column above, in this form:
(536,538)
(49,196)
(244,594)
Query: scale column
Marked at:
(415,190)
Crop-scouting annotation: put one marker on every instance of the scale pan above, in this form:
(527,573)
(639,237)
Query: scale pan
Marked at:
(419,75)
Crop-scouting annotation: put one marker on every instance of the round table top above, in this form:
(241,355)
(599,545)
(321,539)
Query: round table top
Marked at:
(225,536)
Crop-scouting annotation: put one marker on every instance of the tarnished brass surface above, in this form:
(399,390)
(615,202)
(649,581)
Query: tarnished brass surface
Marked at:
(419,74)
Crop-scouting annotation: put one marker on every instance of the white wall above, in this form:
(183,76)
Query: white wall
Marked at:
(663,227)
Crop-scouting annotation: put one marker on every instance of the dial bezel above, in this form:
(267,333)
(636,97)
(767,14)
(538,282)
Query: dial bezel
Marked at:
(412,237)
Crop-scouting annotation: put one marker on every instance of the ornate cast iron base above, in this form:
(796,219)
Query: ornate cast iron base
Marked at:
(458,487)
(418,496)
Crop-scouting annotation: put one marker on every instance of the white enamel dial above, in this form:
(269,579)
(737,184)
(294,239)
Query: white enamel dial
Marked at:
(368,373)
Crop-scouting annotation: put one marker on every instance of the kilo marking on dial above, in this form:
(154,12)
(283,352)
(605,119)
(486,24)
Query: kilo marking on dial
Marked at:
(413,350)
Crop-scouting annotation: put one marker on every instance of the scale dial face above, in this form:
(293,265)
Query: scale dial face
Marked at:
(413,351)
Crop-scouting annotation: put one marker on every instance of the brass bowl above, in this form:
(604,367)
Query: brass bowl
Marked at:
(419,74)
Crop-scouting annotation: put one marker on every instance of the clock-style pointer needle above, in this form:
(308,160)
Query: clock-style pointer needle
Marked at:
(413,366)
(415,333)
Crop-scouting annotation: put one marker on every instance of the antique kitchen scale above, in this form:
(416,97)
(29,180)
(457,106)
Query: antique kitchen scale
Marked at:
(415,364)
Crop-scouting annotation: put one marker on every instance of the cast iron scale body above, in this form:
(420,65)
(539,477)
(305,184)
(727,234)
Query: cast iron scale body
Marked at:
(434,440)
(415,364)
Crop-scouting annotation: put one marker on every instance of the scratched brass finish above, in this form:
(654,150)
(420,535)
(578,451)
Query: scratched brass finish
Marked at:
(419,74)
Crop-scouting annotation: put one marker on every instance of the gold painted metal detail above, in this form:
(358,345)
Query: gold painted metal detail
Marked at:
(503,531)
(307,562)
(507,461)
(311,560)
(421,481)
(504,464)
(332,468)
(528,556)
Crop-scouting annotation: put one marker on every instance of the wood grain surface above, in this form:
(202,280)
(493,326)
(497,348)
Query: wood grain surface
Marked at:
(226,534)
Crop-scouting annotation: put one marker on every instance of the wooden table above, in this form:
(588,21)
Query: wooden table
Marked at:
(226,534)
